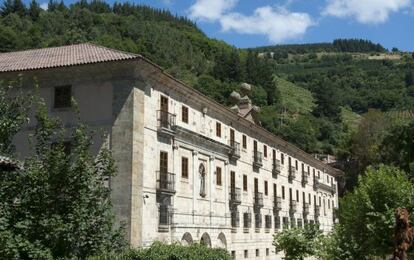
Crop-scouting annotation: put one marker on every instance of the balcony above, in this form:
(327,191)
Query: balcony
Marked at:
(306,209)
(164,220)
(235,196)
(292,173)
(293,206)
(234,152)
(276,168)
(277,204)
(317,185)
(317,211)
(257,159)
(258,200)
(235,219)
(166,123)
(305,178)
(165,182)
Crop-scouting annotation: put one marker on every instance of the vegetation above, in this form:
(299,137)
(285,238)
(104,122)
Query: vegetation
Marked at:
(50,207)
(326,82)
(298,243)
(160,251)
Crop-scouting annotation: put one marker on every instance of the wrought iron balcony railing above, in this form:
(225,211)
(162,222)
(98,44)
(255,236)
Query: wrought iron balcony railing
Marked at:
(277,204)
(166,182)
(235,196)
(292,173)
(166,122)
(234,150)
(258,200)
(293,206)
(276,168)
(257,159)
(317,211)
(306,209)
(317,185)
(305,178)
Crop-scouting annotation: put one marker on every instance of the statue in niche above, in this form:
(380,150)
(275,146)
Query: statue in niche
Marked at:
(202,172)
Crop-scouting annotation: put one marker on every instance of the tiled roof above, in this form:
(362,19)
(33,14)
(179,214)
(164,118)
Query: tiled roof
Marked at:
(70,55)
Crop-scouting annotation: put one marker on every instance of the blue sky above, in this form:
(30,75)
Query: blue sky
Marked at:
(250,23)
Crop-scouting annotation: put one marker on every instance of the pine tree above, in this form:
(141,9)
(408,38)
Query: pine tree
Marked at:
(34,10)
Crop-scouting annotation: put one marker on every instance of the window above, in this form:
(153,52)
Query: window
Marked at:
(329,204)
(244,141)
(184,167)
(184,114)
(319,174)
(257,252)
(282,158)
(63,96)
(309,199)
(277,222)
(268,221)
(265,150)
(267,252)
(297,195)
(296,164)
(265,188)
(233,254)
(245,182)
(283,192)
(247,220)
(163,162)
(218,129)
(274,190)
(218,176)
(246,253)
(274,154)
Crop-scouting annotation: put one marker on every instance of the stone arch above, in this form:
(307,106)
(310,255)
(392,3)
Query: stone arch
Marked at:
(187,239)
(222,241)
(205,240)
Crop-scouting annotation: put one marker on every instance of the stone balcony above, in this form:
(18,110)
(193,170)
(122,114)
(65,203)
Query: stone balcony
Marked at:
(235,196)
(165,182)
(276,169)
(318,185)
(166,124)
(258,200)
(292,173)
(277,204)
(257,159)
(234,152)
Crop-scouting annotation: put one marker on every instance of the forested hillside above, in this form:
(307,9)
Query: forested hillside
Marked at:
(312,95)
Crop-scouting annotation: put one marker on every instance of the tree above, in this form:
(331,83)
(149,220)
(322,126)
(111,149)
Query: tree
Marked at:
(397,148)
(58,205)
(14,108)
(367,213)
(297,243)
(409,78)
(34,10)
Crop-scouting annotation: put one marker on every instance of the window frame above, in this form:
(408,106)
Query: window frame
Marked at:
(184,114)
(184,159)
(67,103)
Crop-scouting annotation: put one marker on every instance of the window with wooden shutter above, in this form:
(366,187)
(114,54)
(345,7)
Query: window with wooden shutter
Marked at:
(184,167)
(184,114)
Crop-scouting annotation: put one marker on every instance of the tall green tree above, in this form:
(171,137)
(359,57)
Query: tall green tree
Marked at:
(367,213)
(58,205)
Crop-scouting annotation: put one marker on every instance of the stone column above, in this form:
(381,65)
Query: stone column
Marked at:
(212,175)
(195,179)
(226,191)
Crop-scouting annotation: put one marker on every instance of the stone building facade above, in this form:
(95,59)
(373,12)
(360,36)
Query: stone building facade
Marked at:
(189,169)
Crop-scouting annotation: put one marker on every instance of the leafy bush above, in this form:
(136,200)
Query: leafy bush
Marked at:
(298,243)
(161,251)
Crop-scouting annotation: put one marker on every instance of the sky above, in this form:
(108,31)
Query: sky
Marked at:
(252,23)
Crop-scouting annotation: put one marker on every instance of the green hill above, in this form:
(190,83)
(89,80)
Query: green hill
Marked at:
(303,104)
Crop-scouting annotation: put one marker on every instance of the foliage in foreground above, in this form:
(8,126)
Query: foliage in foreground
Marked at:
(298,243)
(367,213)
(160,251)
(58,205)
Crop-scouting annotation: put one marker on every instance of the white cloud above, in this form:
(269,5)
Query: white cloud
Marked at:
(210,10)
(365,11)
(277,24)
(44,6)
